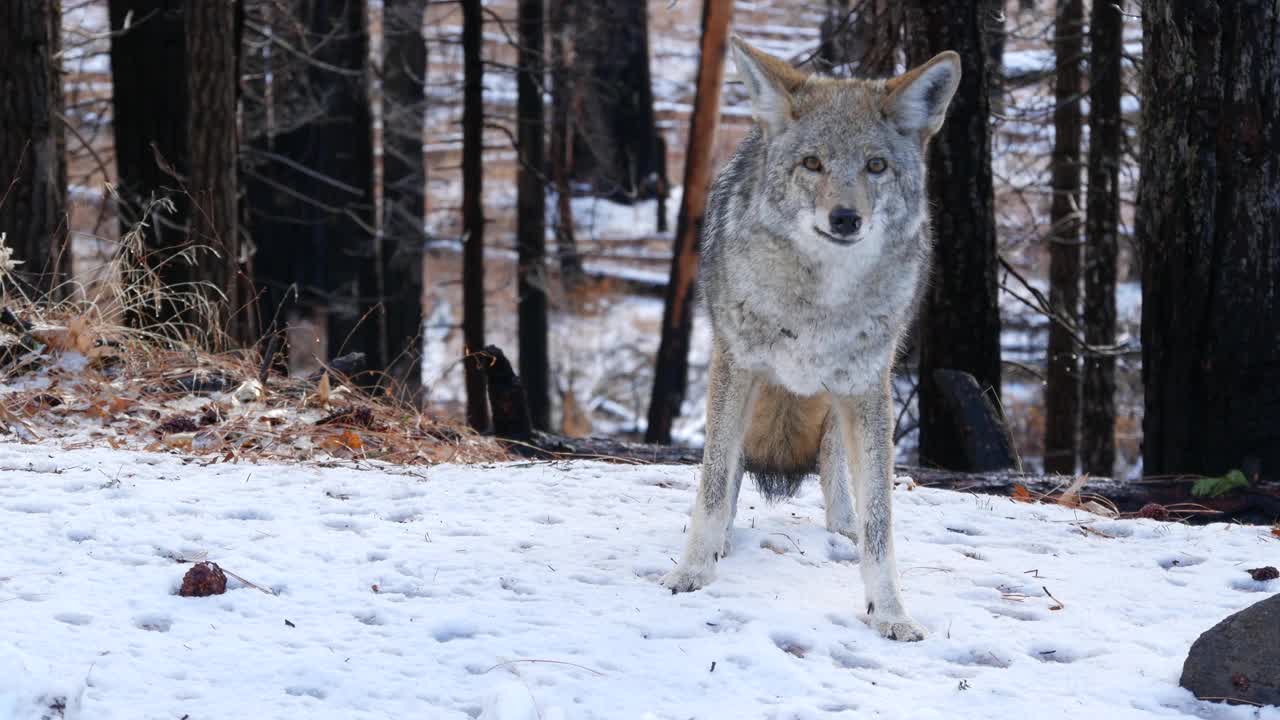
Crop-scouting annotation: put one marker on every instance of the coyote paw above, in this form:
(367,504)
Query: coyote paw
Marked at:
(688,577)
(902,629)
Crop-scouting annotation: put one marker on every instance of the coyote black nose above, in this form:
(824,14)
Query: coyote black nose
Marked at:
(844,222)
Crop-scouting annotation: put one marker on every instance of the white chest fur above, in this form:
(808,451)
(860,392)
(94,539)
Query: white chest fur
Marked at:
(817,328)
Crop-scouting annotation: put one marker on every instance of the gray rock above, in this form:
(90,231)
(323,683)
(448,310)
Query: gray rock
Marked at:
(1239,658)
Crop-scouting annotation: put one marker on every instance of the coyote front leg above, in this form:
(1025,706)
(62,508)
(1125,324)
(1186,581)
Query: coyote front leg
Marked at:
(866,423)
(729,397)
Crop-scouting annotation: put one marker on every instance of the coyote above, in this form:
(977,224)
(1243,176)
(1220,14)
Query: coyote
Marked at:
(815,250)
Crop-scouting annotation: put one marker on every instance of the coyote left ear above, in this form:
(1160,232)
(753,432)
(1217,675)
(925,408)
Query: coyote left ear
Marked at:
(918,100)
(771,82)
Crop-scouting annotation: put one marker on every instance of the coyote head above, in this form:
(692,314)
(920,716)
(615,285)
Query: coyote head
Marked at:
(844,160)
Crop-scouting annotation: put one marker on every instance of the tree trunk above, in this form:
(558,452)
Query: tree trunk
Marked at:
(404,71)
(355,315)
(994,21)
(33,173)
(1209,228)
(562,134)
(149,105)
(310,179)
(672,367)
(1062,381)
(1098,418)
(213,147)
(959,320)
(860,38)
(617,134)
(531,219)
(473,208)
(836,36)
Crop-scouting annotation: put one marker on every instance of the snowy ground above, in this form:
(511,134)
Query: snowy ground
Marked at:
(530,591)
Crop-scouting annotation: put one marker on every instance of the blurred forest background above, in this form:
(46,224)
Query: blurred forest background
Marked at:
(414,180)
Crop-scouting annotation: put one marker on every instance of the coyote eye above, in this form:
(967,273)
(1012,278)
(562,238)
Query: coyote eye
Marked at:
(811,163)
(876,165)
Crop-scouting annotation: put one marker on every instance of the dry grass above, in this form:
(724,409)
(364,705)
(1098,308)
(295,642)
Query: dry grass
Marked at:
(91,370)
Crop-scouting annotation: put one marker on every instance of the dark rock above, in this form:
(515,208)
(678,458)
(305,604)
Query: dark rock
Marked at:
(1238,660)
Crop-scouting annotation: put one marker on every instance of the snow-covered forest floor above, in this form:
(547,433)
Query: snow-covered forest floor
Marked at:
(530,590)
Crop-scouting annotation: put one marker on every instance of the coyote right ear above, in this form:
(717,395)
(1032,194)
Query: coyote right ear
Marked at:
(771,82)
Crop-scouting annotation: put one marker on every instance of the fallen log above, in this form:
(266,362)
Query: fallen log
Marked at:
(1259,503)
(514,428)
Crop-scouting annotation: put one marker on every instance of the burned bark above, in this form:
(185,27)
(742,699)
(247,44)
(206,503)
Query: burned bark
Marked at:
(959,320)
(1102,222)
(1062,380)
(473,209)
(33,172)
(531,305)
(617,150)
(404,182)
(212,184)
(1208,225)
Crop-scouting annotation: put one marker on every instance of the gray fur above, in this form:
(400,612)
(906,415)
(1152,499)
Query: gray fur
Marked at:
(796,307)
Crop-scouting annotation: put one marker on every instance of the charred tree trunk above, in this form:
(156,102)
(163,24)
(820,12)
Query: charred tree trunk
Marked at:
(617,134)
(355,312)
(531,219)
(473,208)
(671,372)
(404,74)
(149,105)
(836,36)
(860,37)
(1209,228)
(213,146)
(33,173)
(959,319)
(562,133)
(994,21)
(1062,381)
(1098,418)
(309,173)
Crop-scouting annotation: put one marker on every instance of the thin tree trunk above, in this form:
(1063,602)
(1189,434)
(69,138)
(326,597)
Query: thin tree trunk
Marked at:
(531,219)
(959,320)
(1098,418)
(1209,228)
(1062,381)
(404,71)
(562,134)
(33,175)
(672,367)
(149,104)
(211,65)
(473,208)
